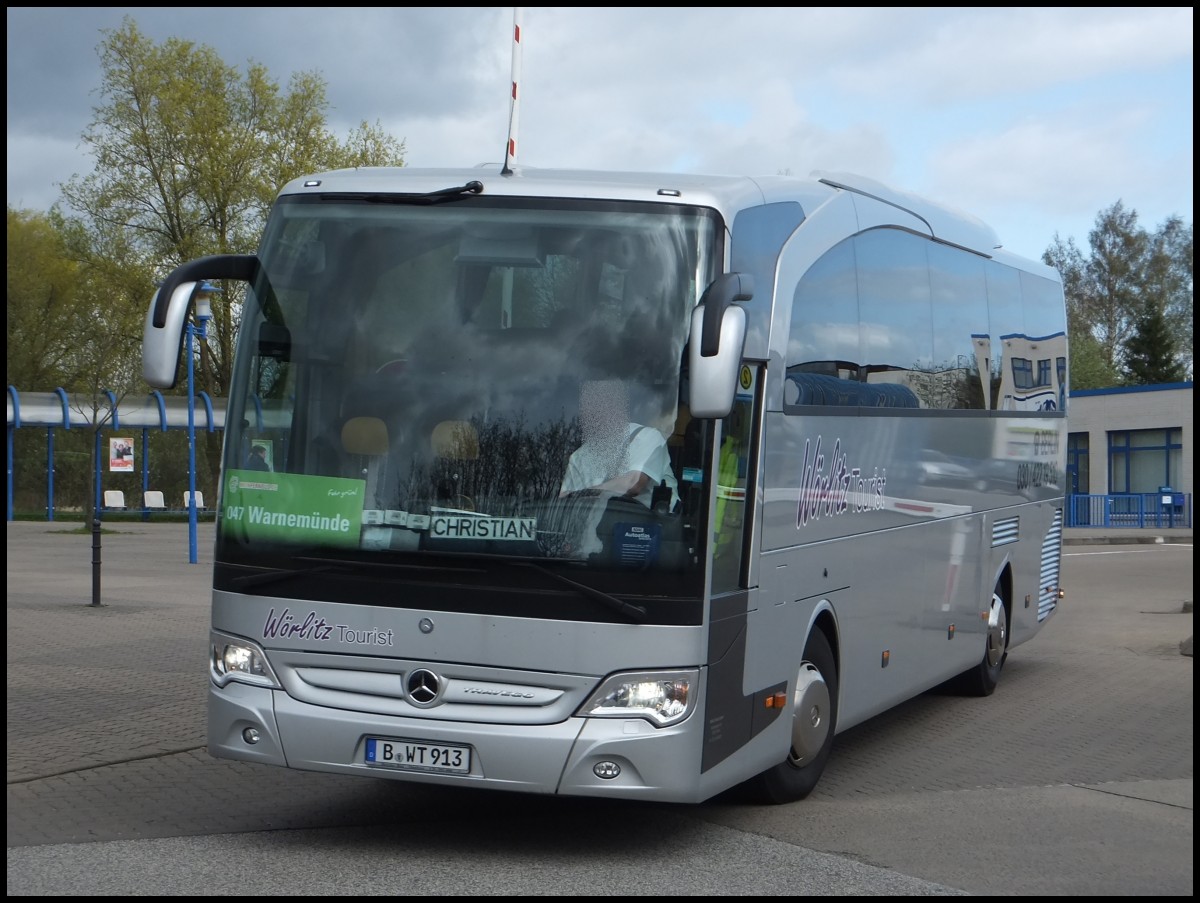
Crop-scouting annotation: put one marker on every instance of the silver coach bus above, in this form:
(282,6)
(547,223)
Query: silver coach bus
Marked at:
(617,484)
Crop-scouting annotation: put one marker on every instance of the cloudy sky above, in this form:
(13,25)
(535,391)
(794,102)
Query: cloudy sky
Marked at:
(1034,120)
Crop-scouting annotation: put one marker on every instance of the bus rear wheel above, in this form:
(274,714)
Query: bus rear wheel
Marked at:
(982,679)
(814,719)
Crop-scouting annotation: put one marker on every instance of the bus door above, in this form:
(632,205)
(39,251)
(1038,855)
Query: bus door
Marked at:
(730,533)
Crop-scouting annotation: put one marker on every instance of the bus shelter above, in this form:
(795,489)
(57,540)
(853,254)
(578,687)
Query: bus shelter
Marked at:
(60,410)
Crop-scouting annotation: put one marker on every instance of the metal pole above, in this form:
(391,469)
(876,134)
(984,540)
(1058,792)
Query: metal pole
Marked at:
(96,561)
(11,427)
(514,107)
(99,470)
(145,470)
(49,474)
(191,409)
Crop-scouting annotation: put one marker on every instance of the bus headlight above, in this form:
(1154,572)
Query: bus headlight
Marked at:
(661,697)
(232,658)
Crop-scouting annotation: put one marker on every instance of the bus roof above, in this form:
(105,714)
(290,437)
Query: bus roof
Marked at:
(726,194)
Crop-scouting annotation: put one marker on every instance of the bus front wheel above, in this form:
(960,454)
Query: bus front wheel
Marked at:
(814,719)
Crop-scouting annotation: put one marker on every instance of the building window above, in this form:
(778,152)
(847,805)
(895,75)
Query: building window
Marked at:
(1144,460)
(1043,377)
(1078,468)
(1022,370)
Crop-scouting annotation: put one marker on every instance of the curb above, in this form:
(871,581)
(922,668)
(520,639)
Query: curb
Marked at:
(1153,539)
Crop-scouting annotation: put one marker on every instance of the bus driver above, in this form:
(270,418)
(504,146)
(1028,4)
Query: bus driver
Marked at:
(618,457)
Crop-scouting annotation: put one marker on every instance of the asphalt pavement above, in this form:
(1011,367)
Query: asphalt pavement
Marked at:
(104,651)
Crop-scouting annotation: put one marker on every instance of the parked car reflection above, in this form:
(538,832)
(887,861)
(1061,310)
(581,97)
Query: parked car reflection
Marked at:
(935,468)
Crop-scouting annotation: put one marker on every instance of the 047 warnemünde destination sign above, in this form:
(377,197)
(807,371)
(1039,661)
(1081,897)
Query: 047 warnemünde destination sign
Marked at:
(292,507)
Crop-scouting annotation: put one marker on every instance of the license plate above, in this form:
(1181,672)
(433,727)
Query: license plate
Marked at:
(418,756)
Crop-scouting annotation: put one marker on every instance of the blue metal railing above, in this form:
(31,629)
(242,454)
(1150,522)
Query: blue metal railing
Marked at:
(1137,509)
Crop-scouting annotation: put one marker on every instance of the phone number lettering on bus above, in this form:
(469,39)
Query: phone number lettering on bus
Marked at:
(1045,442)
(1035,474)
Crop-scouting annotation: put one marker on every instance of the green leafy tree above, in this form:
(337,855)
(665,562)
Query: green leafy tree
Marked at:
(108,337)
(41,315)
(69,326)
(1102,290)
(1110,290)
(189,156)
(42,293)
(1089,367)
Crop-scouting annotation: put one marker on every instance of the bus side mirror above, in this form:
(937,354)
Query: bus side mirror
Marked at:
(715,345)
(162,341)
(162,332)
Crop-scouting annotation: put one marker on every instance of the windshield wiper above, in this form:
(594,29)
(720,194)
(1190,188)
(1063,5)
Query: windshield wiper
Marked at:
(635,613)
(324,565)
(455,193)
(472,187)
(264,577)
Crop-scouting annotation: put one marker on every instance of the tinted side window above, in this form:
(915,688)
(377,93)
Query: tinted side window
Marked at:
(960,324)
(1045,321)
(824,331)
(759,233)
(893,319)
(896,332)
(1006,328)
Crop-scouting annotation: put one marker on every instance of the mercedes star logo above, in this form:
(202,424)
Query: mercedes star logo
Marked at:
(423,687)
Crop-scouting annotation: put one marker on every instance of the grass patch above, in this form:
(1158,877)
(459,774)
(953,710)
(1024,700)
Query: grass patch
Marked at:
(122,517)
(84,531)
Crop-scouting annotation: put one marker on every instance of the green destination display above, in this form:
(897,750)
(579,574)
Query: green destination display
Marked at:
(292,507)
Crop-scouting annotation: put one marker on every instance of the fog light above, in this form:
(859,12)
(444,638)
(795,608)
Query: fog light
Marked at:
(606,770)
(251,735)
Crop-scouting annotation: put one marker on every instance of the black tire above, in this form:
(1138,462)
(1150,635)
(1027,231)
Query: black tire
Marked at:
(982,679)
(797,776)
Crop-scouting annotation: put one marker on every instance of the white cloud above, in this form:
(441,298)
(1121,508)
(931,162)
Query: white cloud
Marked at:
(33,161)
(974,55)
(1032,119)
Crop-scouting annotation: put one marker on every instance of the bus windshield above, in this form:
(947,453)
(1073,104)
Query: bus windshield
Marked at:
(467,380)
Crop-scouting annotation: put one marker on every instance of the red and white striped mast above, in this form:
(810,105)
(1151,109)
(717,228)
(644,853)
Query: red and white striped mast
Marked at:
(514,109)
